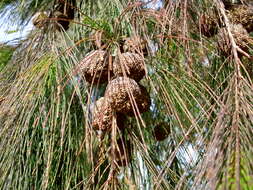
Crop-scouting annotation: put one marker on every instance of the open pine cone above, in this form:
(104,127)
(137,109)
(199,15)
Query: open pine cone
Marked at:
(123,93)
(95,67)
(129,64)
(242,14)
(240,35)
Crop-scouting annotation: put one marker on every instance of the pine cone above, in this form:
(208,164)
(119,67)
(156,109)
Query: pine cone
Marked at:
(95,67)
(240,35)
(129,64)
(123,93)
(242,14)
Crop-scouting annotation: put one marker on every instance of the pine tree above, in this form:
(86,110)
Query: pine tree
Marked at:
(121,95)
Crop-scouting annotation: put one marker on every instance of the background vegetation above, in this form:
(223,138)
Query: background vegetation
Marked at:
(5,55)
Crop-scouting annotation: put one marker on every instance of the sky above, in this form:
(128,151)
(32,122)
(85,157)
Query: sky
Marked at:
(9,31)
(7,35)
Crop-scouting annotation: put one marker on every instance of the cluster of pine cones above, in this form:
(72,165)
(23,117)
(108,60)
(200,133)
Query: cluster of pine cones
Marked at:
(124,95)
(240,15)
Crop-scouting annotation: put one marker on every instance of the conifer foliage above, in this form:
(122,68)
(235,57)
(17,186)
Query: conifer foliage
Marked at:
(126,94)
